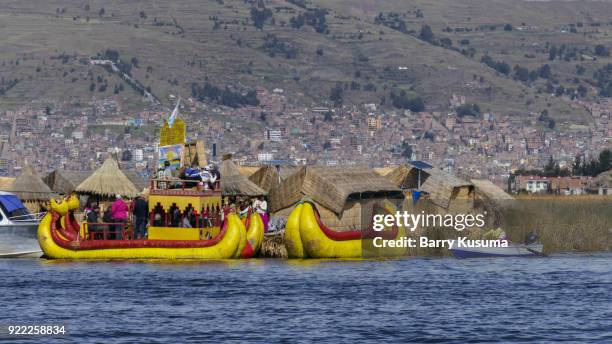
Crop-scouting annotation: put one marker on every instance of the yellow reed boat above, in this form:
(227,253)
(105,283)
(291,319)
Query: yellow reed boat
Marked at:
(306,236)
(62,237)
(186,221)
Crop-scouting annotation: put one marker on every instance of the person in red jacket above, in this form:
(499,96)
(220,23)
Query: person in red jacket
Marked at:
(120,212)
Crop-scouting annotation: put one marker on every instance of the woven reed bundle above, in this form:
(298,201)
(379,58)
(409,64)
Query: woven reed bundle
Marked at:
(273,247)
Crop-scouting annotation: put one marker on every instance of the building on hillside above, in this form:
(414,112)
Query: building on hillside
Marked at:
(574,185)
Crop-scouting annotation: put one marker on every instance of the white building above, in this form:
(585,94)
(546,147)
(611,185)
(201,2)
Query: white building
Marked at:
(138,155)
(265,156)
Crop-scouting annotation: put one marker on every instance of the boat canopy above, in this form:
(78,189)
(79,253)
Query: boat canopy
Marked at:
(10,202)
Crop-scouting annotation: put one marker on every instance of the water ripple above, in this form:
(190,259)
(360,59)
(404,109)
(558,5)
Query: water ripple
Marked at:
(561,298)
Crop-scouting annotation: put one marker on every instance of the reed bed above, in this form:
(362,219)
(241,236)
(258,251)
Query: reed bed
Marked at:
(563,223)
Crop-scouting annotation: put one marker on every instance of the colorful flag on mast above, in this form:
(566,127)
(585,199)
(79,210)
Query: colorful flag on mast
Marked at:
(174,113)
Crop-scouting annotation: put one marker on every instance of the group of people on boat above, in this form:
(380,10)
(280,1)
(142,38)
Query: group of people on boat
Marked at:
(206,178)
(189,218)
(244,206)
(112,222)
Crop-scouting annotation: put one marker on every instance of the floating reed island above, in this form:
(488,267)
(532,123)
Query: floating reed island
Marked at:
(343,200)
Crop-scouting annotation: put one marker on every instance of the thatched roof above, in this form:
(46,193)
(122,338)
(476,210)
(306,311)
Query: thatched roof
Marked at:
(29,187)
(604,179)
(383,171)
(6,182)
(108,180)
(248,170)
(490,191)
(331,187)
(64,182)
(234,183)
(438,184)
(266,177)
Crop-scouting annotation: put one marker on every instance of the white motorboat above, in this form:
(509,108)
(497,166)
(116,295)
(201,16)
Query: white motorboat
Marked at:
(18,228)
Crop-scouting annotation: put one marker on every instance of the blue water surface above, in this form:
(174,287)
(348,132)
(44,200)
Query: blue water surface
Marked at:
(562,298)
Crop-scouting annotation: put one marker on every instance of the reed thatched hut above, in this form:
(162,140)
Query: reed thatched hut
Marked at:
(233,183)
(346,197)
(247,171)
(5,183)
(269,177)
(31,189)
(441,188)
(266,177)
(64,181)
(107,181)
(488,191)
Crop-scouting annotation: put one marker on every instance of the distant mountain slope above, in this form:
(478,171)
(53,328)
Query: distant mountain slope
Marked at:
(169,45)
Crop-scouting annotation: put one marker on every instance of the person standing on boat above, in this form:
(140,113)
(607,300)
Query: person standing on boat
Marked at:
(120,211)
(261,207)
(93,217)
(140,209)
(107,230)
(165,175)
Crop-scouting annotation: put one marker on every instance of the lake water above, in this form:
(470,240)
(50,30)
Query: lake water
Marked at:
(558,298)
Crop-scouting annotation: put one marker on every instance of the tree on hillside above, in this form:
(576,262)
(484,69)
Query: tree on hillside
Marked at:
(446,42)
(297,21)
(552,53)
(601,50)
(521,73)
(577,165)
(545,72)
(594,167)
(328,117)
(336,95)
(402,101)
(468,110)
(406,150)
(259,17)
(605,160)
(426,34)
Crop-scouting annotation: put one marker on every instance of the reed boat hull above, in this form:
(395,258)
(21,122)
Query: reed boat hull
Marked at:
(254,236)
(55,245)
(307,237)
(293,240)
